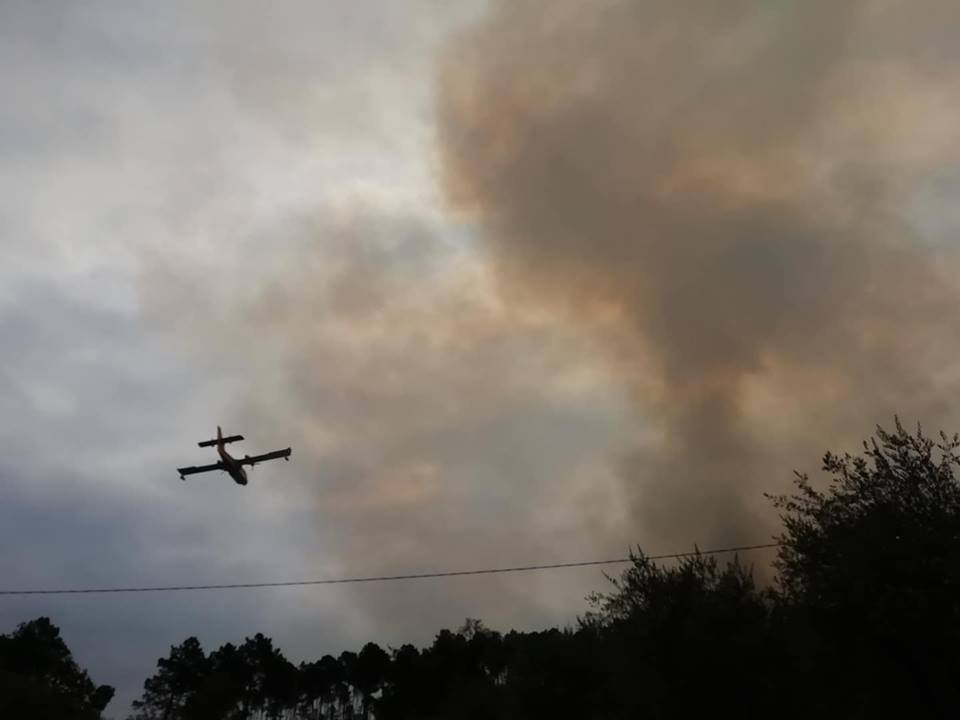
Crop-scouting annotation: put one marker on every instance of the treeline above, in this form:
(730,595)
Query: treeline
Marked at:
(862,621)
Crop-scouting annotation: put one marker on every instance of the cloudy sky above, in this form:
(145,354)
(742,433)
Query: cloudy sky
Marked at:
(519,282)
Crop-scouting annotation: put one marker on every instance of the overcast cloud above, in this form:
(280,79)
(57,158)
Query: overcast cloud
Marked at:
(520,283)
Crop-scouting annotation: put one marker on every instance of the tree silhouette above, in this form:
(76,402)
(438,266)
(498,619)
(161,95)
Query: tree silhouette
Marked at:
(370,674)
(40,679)
(227,694)
(672,639)
(172,692)
(272,678)
(870,573)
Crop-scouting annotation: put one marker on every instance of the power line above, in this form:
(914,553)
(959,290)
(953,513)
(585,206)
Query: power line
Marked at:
(379,578)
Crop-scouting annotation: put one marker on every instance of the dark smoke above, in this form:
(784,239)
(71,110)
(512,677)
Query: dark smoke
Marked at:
(722,192)
(432,428)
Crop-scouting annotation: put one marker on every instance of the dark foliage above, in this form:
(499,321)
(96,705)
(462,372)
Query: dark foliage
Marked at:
(870,577)
(40,679)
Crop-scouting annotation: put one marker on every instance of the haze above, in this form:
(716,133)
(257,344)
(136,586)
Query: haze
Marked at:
(519,282)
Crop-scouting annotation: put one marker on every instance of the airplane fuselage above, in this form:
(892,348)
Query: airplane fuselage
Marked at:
(234,468)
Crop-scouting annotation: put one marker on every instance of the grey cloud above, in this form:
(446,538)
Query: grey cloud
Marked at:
(88,495)
(686,193)
(129,134)
(97,410)
(433,428)
(74,537)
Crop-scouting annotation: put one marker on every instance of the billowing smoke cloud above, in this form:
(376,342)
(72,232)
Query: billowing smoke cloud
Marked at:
(304,264)
(433,427)
(703,260)
(727,194)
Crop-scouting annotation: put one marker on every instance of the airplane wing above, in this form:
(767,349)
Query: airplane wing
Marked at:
(200,469)
(275,455)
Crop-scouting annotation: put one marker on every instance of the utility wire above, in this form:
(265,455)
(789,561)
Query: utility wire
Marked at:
(378,578)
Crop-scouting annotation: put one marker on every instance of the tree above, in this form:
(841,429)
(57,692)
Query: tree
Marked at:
(344,690)
(408,688)
(226,690)
(317,682)
(40,679)
(273,679)
(369,673)
(870,574)
(672,640)
(173,693)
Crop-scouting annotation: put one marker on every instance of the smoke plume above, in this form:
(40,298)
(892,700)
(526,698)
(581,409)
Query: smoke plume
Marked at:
(713,243)
(729,196)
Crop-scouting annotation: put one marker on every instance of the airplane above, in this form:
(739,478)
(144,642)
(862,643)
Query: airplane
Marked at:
(232,465)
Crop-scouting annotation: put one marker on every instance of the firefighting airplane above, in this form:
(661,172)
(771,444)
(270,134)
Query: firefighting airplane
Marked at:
(232,465)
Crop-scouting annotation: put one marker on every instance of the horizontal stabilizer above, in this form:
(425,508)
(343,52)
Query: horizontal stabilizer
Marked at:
(212,443)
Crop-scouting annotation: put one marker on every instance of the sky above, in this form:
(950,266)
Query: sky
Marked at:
(520,282)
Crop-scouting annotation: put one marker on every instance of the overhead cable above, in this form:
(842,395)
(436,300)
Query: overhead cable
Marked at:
(377,578)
